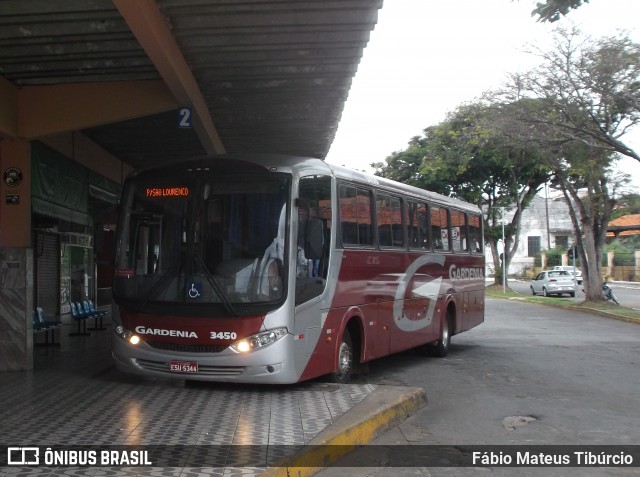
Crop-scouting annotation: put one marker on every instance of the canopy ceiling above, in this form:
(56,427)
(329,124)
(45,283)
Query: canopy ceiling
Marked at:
(257,76)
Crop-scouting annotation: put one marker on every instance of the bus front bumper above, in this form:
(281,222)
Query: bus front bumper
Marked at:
(273,364)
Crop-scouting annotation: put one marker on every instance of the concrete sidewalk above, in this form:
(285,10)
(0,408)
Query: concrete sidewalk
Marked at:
(75,397)
(382,409)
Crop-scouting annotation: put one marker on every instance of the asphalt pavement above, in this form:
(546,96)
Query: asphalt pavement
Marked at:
(528,376)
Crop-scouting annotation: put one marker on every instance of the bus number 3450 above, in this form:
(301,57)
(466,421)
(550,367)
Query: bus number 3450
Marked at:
(223,335)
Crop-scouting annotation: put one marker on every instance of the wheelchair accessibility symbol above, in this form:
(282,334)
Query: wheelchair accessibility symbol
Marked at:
(195,291)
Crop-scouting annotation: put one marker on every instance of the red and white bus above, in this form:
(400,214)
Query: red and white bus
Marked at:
(270,269)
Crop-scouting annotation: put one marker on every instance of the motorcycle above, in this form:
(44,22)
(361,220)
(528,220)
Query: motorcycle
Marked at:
(607,292)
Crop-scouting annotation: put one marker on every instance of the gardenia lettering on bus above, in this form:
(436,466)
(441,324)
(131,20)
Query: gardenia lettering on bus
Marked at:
(465,273)
(160,332)
(167,192)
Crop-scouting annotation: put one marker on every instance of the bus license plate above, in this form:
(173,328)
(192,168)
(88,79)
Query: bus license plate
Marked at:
(183,366)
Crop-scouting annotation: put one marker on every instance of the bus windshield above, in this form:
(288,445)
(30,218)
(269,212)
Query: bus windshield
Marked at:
(203,238)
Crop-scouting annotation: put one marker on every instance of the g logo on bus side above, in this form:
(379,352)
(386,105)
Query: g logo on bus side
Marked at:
(429,290)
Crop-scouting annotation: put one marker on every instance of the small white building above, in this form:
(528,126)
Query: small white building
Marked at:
(545,224)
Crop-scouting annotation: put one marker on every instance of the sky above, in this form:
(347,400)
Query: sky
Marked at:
(427,57)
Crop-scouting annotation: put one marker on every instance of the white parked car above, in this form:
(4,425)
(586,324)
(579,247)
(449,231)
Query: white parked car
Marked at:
(572,271)
(553,282)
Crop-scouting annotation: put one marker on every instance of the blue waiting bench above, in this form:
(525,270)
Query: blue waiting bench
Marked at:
(80,317)
(43,326)
(90,309)
(83,310)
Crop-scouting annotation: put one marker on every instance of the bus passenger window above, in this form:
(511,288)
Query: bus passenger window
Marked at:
(475,233)
(412,224)
(389,217)
(355,216)
(417,220)
(458,231)
(440,228)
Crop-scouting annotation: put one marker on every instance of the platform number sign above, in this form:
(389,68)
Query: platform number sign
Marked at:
(185,116)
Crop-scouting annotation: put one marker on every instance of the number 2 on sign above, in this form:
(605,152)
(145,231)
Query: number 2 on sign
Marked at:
(184,118)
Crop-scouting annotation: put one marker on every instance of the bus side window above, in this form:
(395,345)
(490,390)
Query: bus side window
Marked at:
(389,221)
(445,220)
(423,226)
(458,231)
(475,233)
(355,216)
(412,224)
(397,231)
(418,225)
(440,228)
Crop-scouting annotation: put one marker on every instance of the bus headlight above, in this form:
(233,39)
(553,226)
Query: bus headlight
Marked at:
(259,340)
(127,335)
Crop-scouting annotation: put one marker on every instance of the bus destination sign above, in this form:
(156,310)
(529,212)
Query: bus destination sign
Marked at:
(167,191)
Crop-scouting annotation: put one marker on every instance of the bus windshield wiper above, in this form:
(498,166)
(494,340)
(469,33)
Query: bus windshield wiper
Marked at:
(224,297)
(159,286)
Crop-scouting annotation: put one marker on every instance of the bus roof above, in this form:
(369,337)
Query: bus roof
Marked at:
(399,187)
(298,164)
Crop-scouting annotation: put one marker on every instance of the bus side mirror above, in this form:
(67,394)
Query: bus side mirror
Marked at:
(314,239)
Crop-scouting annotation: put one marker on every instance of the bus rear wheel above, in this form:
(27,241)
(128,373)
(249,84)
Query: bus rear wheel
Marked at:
(441,347)
(342,374)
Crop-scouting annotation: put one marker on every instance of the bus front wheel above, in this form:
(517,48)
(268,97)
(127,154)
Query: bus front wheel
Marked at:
(345,360)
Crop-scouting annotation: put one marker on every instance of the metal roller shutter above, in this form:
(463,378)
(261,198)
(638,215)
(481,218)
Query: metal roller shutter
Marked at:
(47,258)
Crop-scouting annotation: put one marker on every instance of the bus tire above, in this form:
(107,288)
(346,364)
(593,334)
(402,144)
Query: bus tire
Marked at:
(441,348)
(342,375)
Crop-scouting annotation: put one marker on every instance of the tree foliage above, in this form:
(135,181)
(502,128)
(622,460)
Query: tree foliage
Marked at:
(405,166)
(464,157)
(578,106)
(552,10)
(563,122)
(587,91)
(628,203)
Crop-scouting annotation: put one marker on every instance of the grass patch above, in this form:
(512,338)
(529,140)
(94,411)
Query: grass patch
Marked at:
(607,307)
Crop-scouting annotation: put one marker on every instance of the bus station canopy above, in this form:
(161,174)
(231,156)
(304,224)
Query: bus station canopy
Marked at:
(154,80)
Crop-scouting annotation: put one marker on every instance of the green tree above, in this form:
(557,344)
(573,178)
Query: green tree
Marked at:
(463,157)
(628,203)
(405,166)
(585,180)
(577,107)
(552,10)
(587,91)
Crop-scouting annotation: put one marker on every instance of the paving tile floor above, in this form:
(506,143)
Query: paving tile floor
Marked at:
(74,397)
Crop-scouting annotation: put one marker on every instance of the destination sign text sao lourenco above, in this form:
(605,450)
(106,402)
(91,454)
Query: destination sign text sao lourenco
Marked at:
(167,191)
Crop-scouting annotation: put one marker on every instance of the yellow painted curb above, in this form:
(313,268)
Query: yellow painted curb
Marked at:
(383,408)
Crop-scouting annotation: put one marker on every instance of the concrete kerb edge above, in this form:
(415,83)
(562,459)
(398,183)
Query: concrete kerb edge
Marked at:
(606,314)
(386,406)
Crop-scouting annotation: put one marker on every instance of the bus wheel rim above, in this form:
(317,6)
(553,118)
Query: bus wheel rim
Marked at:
(344,358)
(445,332)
